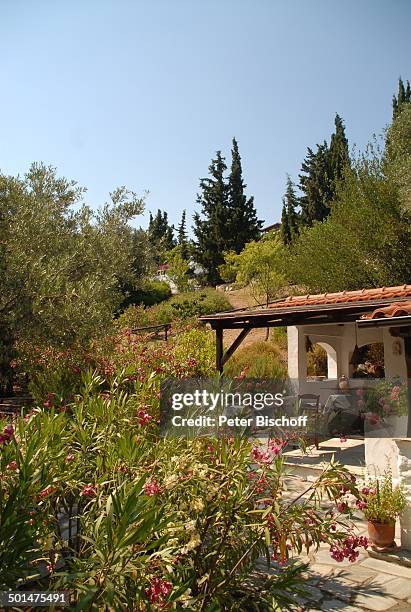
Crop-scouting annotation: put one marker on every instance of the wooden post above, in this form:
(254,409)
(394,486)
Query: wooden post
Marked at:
(219,349)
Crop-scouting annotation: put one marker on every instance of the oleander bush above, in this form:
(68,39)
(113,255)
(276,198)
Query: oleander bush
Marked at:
(92,500)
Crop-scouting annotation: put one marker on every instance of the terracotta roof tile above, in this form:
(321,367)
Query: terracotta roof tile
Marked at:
(402,309)
(341,297)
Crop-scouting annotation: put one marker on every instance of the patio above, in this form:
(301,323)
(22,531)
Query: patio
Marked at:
(341,323)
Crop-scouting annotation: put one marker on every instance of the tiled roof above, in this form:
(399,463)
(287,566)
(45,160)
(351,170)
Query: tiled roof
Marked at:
(401,309)
(346,297)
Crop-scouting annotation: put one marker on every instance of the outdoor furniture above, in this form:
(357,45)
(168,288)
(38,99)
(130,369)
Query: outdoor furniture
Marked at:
(341,409)
(310,403)
(164,326)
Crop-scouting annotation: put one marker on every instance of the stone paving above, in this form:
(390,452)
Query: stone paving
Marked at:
(366,584)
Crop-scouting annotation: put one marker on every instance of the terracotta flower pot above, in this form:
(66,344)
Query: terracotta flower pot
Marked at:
(381,534)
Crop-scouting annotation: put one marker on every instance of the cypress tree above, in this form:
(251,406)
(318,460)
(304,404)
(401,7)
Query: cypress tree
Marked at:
(211,229)
(321,172)
(292,202)
(243,224)
(285,226)
(339,155)
(316,185)
(160,233)
(403,97)
(182,236)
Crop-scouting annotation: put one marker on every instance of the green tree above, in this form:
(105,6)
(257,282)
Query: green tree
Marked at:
(316,185)
(339,154)
(211,228)
(285,226)
(62,265)
(161,233)
(178,268)
(244,225)
(365,241)
(322,171)
(259,266)
(402,98)
(291,202)
(397,158)
(182,240)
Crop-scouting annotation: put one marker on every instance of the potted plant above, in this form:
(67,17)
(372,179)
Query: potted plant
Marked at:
(382,503)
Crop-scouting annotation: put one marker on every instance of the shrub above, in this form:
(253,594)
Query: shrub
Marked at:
(151,293)
(381,502)
(153,523)
(259,360)
(180,307)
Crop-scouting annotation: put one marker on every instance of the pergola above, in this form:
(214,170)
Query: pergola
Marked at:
(276,315)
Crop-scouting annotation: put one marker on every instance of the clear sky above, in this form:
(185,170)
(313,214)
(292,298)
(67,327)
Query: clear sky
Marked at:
(142,93)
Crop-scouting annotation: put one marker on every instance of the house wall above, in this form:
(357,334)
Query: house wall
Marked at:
(381,451)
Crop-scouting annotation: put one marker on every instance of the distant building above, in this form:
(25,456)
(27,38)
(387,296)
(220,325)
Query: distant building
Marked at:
(275,227)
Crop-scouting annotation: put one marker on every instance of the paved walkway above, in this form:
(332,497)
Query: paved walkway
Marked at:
(366,584)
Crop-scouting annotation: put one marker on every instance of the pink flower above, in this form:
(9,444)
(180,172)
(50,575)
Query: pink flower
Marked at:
(395,392)
(70,457)
(8,431)
(361,504)
(341,506)
(159,589)
(47,491)
(151,488)
(372,491)
(365,491)
(12,465)
(261,456)
(143,417)
(89,490)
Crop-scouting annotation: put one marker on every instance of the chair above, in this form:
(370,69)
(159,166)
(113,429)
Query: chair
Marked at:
(308,402)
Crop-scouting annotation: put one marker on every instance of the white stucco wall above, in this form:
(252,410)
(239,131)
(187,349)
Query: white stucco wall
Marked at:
(379,452)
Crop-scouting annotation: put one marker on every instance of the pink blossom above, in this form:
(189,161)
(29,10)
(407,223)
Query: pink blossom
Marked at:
(361,504)
(12,465)
(365,490)
(47,491)
(151,488)
(88,490)
(8,431)
(70,457)
(143,417)
(159,589)
(261,456)
(341,506)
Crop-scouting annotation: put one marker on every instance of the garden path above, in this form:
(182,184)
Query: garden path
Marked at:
(373,582)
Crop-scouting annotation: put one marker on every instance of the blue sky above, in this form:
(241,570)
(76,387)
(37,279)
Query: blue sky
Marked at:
(142,93)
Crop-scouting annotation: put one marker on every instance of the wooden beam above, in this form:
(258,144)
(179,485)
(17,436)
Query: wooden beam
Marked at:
(234,346)
(219,349)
